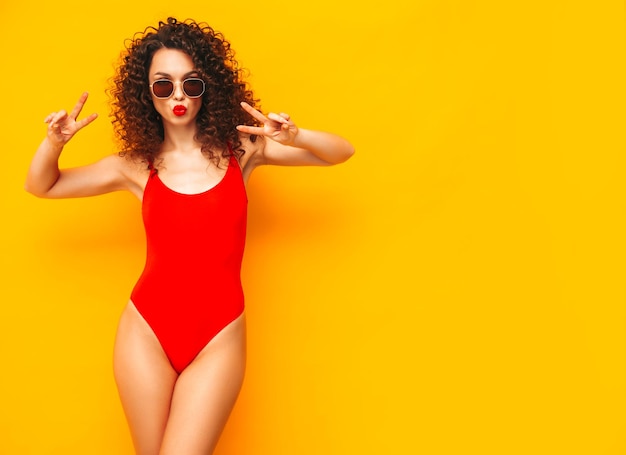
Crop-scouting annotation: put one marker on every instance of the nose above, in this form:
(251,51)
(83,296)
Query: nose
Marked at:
(178,91)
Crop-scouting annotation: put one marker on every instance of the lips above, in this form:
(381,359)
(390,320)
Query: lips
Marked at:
(179,110)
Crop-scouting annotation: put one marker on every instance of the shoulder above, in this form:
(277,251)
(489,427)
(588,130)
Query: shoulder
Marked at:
(131,173)
(123,165)
(128,164)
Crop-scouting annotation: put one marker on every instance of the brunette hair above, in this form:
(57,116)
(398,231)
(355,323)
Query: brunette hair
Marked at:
(137,124)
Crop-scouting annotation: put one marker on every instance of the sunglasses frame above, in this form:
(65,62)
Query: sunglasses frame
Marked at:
(182,85)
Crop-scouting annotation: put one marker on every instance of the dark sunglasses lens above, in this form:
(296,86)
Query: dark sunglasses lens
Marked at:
(162,89)
(193,87)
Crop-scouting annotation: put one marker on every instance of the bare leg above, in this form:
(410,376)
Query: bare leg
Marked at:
(205,394)
(145,381)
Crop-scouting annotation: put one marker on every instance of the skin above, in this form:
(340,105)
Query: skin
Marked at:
(170,413)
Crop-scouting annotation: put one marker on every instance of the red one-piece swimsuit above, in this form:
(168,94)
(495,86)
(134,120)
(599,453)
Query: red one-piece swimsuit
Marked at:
(190,288)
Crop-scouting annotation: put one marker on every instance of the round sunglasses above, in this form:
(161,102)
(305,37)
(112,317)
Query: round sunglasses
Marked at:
(193,87)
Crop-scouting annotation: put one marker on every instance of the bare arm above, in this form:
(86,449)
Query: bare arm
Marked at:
(293,146)
(45,179)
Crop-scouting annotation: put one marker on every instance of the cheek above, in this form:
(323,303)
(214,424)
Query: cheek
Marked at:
(196,104)
(158,105)
(194,107)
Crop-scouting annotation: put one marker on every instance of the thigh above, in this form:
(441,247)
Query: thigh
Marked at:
(145,381)
(205,394)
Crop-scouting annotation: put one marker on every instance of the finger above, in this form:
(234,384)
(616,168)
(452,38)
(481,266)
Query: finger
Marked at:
(277,118)
(57,119)
(256,130)
(285,116)
(79,105)
(253,112)
(59,115)
(86,121)
(49,117)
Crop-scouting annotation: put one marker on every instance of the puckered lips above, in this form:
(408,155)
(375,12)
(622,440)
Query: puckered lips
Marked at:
(179,110)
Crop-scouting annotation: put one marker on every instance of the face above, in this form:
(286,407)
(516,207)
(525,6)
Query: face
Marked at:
(175,66)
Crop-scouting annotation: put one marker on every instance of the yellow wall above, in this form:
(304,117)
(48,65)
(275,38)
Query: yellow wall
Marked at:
(456,288)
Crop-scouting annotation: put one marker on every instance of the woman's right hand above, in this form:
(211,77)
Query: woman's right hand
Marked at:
(63,126)
(45,179)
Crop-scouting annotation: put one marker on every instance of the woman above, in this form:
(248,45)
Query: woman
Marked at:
(190,137)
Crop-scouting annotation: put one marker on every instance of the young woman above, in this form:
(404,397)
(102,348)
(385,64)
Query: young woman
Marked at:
(190,137)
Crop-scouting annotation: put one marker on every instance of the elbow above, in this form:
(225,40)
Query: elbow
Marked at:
(345,155)
(40,187)
(29,188)
(341,152)
(349,153)
(32,191)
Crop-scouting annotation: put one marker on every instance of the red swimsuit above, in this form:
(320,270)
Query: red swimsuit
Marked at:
(190,288)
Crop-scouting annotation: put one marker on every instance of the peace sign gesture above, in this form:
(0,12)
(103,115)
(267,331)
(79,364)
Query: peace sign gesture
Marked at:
(277,127)
(63,126)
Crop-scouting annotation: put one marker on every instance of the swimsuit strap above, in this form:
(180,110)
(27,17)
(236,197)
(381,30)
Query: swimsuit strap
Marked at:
(152,169)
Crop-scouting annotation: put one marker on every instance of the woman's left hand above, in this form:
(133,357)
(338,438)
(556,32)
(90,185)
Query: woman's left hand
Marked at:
(277,127)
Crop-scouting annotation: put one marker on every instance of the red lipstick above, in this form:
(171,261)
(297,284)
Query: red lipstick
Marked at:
(179,110)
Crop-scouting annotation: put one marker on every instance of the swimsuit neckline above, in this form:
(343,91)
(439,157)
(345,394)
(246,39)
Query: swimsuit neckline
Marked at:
(208,190)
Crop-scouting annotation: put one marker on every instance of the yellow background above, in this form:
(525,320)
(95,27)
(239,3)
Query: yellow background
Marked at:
(456,288)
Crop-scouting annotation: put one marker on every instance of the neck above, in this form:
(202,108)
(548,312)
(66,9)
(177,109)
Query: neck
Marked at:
(180,138)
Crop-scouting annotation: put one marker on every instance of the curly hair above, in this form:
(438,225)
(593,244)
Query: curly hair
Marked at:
(136,123)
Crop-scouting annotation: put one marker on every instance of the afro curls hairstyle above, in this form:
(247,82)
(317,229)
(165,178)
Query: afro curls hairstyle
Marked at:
(138,126)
